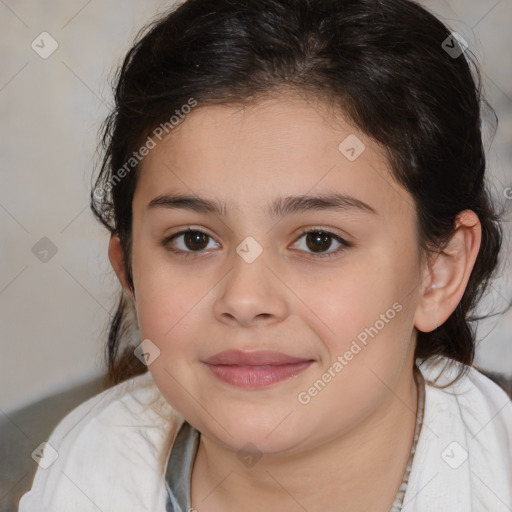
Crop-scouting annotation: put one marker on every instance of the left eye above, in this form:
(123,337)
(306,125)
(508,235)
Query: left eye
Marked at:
(319,241)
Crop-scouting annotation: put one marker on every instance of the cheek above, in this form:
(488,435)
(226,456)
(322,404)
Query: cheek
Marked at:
(353,298)
(363,315)
(167,306)
(365,358)
(166,298)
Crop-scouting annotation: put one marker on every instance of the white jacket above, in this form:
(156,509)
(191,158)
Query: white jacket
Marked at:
(113,448)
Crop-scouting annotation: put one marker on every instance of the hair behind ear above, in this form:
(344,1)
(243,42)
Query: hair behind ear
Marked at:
(123,334)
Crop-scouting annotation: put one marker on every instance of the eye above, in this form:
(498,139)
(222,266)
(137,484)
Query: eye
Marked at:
(188,241)
(319,240)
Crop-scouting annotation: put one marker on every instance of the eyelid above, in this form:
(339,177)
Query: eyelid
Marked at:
(323,229)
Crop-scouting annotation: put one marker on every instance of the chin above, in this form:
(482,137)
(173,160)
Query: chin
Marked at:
(265,436)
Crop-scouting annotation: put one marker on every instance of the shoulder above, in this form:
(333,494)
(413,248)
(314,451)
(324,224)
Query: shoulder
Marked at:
(479,403)
(107,453)
(476,395)
(463,458)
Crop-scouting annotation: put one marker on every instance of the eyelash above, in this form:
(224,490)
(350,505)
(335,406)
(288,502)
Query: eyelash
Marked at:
(186,254)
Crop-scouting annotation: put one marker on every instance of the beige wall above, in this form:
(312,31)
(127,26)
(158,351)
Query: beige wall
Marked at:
(53,313)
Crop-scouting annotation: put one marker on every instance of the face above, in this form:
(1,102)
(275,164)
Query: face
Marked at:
(332,287)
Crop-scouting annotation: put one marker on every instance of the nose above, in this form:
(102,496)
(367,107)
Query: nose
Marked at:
(251,294)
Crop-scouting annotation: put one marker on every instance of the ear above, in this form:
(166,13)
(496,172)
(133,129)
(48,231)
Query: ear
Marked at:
(446,274)
(115,255)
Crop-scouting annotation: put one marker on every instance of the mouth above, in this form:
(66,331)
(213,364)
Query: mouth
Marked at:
(255,369)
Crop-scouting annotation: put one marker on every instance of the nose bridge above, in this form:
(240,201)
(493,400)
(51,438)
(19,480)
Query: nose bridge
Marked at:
(251,291)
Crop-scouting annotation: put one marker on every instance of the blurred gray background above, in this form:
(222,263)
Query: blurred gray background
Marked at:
(56,285)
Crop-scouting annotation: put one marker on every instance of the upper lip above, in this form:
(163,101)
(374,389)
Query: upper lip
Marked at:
(256,358)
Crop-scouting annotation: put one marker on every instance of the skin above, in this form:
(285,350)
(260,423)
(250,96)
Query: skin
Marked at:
(351,442)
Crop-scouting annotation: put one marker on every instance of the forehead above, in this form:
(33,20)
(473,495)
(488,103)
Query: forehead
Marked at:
(246,156)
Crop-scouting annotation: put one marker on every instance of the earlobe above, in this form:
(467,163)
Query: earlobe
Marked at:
(447,274)
(116,257)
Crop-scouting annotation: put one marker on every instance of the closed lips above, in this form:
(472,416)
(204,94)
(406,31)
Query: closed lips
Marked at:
(259,358)
(255,369)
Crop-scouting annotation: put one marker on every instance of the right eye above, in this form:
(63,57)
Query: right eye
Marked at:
(188,242)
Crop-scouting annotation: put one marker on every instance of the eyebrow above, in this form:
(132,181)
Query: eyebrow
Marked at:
(280,207)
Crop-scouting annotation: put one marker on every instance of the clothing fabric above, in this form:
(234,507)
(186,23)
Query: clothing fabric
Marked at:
(114,449)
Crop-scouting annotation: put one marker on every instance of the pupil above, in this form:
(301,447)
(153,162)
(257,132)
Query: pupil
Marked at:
(320,240)
(195,237)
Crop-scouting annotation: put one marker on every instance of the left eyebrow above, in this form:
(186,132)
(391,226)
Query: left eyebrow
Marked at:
(280,207)
(321,202)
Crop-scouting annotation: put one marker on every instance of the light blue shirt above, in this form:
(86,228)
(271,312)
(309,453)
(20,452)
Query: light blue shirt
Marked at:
(179,468)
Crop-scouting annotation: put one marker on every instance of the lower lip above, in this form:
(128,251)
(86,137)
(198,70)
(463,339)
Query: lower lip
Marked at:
(256,376)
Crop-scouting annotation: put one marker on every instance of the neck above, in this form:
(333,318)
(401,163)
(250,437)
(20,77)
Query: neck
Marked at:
(359,470)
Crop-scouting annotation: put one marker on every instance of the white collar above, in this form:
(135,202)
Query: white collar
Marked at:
(463,460)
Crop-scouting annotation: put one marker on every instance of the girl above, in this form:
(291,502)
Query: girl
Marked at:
(299,220)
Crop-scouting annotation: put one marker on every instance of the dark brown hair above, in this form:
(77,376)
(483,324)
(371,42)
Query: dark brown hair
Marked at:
(381,62)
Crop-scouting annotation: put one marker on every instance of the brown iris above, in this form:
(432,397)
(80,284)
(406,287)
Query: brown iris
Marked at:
(195,240)
(318,240)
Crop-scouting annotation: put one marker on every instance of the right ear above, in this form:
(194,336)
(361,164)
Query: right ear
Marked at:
(115,255)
